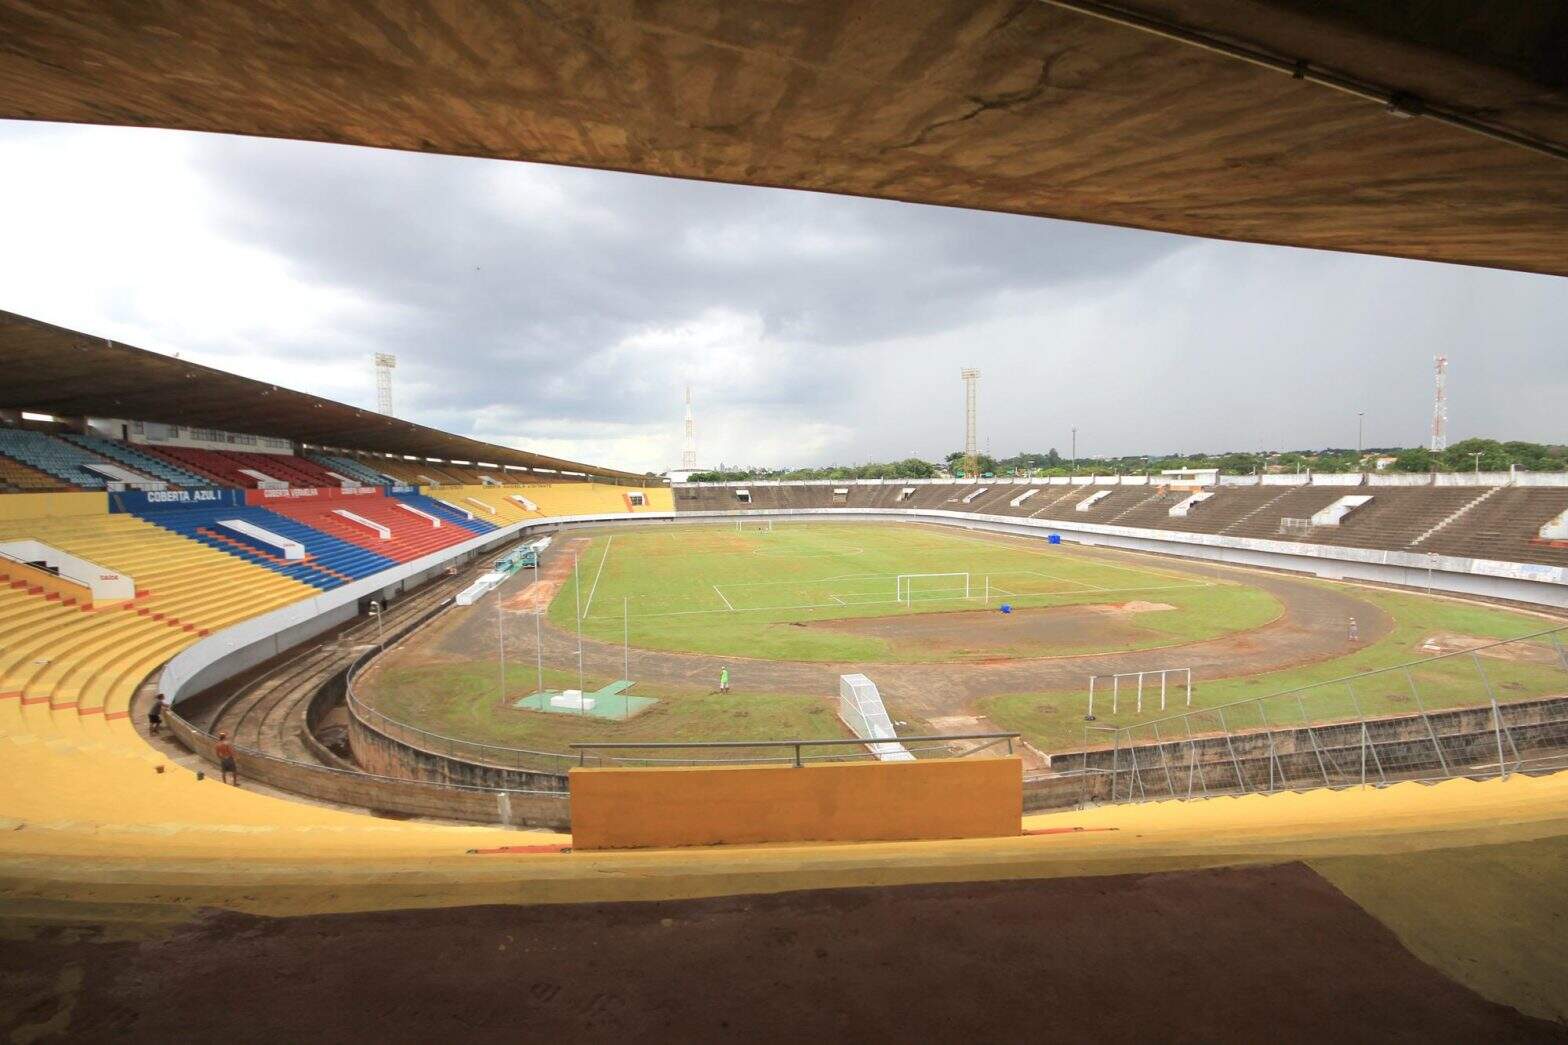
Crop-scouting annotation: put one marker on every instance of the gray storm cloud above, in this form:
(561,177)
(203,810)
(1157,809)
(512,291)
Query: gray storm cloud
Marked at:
(566,309)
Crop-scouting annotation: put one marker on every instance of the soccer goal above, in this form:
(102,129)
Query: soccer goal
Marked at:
(753,525)
(911,586)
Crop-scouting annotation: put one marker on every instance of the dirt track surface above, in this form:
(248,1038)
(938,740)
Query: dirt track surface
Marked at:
(1259,954)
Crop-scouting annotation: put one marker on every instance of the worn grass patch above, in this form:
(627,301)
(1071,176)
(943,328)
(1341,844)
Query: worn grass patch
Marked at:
(1440,683)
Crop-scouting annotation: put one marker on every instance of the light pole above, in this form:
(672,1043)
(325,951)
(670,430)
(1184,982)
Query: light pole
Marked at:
(1360,427)
(1477,456)
(1075,450)
(375,611)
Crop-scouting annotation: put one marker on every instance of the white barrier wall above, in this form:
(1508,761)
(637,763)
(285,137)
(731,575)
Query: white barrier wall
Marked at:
(105,584)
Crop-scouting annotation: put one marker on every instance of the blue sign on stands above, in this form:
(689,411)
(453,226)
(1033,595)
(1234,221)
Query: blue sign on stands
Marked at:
(1055,538)
(161,500)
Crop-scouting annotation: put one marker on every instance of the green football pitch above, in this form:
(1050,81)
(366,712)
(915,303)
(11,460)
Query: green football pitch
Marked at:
(797,591)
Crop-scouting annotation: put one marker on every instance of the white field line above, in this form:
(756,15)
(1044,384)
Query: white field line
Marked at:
(716,591)
(597,574)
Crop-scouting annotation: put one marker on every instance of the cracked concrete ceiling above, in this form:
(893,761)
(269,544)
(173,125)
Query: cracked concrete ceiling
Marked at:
(1011,105)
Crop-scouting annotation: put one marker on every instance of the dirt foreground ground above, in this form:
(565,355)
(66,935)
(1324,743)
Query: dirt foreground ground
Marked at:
(1250,954)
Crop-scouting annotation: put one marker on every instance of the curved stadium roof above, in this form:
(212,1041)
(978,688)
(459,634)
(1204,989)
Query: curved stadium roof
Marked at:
(65,372)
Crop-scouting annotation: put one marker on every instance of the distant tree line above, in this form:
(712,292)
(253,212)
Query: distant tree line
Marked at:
(1495,456)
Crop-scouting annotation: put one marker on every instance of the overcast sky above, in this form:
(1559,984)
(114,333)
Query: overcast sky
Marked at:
(565,310)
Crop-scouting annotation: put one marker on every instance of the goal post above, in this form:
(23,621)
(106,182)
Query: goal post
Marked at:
(763,525)
(944,586)
(1134,681)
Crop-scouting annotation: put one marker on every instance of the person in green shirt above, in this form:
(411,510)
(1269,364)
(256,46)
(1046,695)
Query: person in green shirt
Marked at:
(724,679)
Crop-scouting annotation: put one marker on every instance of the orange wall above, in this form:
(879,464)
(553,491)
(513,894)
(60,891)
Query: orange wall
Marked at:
(843,802)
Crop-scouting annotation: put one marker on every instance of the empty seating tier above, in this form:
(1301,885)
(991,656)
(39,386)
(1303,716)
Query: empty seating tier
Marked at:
(61,656)
(241,468)
(410,536)
(350,469)
(54,456)
(136,460)
(329,560)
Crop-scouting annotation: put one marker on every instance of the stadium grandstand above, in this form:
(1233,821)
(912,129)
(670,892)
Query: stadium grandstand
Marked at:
(203,574)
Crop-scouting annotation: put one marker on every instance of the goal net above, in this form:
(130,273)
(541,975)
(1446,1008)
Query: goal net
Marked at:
(913,587)
(753,525)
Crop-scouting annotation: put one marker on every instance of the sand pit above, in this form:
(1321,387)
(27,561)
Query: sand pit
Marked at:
(553,573)
(1519,652)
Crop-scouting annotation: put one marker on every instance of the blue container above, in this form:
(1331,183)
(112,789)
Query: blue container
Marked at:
(1055,538)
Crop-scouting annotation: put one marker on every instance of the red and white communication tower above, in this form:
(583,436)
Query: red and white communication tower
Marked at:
(1440,407)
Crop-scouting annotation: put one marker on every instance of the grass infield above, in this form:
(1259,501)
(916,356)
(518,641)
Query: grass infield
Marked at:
(768,593)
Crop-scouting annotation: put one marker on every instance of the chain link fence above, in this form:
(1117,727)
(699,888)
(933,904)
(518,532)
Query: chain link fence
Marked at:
(1491,710)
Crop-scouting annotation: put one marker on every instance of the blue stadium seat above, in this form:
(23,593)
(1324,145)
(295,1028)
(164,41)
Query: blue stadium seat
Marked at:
(351,468)
(332,562)
(53,456)
(436,508)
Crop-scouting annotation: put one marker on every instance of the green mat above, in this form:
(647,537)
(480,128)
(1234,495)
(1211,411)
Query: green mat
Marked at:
(611,702)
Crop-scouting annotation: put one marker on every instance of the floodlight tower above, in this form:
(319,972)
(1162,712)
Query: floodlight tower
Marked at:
(689,450)
(385,364)
(1440,407)
(971,378)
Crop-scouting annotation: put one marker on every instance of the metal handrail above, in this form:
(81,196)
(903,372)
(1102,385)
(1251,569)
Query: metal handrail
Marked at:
(582,749)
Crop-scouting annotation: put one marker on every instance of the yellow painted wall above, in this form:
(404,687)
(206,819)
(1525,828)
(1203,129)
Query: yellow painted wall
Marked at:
(44,505)
(841,802)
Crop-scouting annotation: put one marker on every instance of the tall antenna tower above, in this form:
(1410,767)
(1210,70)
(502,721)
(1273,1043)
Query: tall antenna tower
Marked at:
(385,364)
(1440,407)
(689,450)
(971,448)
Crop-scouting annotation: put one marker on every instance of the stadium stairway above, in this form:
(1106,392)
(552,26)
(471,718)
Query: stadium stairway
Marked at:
(329,561)
(132,458)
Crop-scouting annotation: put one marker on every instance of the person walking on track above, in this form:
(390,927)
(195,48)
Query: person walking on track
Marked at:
(724,679)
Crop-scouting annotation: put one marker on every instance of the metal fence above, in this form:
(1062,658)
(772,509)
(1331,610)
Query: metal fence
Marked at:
(780,752)
(1489,710)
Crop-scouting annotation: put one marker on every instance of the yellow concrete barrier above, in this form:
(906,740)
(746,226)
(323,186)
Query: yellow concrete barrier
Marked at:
(843,802)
